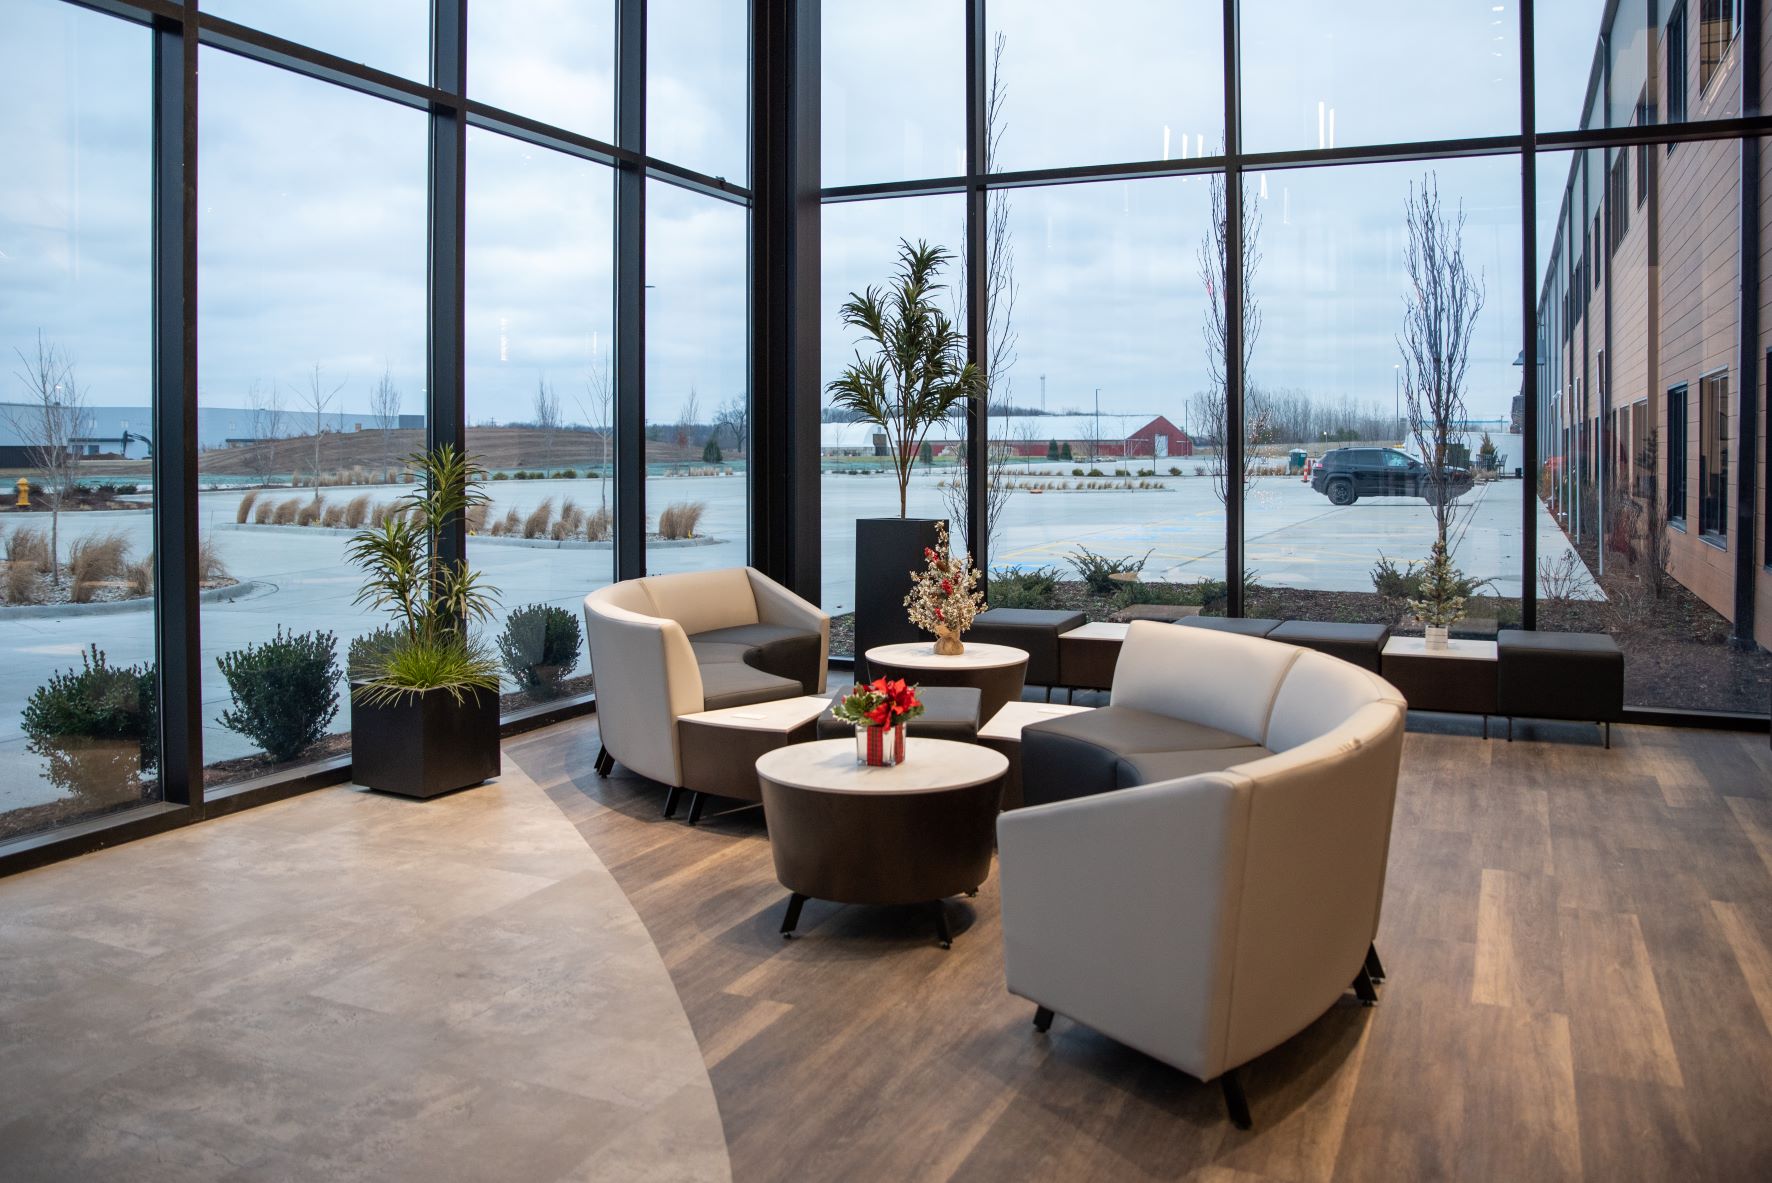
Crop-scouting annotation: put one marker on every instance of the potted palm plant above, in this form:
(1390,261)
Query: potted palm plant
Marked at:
(912,376)
(424,706)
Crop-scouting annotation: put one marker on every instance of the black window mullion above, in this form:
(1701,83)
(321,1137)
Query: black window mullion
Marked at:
(630,291)
(176,610)
(1530,378)
(1233,442)
(977,293)
(445,385)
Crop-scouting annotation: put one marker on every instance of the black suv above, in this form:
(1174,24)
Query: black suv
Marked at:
(1345,475)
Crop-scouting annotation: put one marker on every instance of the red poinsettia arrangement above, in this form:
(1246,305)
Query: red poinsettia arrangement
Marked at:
(884,702)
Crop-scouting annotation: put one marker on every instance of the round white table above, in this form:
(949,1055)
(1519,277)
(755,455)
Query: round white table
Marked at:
(914,833)
(996,671)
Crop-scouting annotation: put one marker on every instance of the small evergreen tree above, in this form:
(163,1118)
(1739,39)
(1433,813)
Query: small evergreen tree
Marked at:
(711,453)
(1066,453)
(927,453)
(1442,591)
(1052,452)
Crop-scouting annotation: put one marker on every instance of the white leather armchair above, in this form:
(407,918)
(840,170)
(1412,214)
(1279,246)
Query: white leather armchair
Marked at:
(672,645)
(1207,918)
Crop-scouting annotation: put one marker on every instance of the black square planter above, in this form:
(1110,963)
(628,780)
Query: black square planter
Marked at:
(424,744)
(887,550)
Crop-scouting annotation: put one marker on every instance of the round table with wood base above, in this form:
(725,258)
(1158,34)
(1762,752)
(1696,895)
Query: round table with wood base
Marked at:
(997,671)
(914,833)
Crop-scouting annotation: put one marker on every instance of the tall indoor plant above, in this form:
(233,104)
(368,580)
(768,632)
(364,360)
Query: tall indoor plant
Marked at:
(424,710)
(910,372)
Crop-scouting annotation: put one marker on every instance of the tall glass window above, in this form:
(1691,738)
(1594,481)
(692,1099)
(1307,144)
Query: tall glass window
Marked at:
(912,51)
(697,88)
(550,61)
(541,399)
(77,662)
(391,35)
(311,265)
(697,381)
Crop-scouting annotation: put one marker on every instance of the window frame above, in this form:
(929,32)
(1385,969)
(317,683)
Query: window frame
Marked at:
(1713,412)
(1679,439)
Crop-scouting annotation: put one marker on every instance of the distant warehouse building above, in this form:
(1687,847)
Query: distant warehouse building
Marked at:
(1107,436)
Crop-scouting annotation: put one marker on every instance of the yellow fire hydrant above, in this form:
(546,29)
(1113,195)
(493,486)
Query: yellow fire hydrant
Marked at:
(24,492)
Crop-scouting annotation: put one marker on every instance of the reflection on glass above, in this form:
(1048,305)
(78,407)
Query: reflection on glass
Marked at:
(540,399)
(77,695)
(1335,75)
(859,248)
(1639,427)
(311,269)
(697,88)
(913,52)
(1136,81)
(697,382)
(1382,393)
(552,60)
(391,35)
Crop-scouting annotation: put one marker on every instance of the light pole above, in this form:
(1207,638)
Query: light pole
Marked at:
(1397,395)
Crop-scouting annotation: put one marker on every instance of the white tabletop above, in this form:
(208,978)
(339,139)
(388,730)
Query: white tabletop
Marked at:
(782,715)
(921,655)
(1096,630)
(1457,649)
(1008,722)
(829,766)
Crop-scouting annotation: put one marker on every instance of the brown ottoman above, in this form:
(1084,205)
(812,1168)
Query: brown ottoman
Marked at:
(1359,644)
(1576,676)
(1033,630)
(949,712)
(1242,626)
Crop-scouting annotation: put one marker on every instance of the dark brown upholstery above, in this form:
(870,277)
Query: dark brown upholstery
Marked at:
(1034,630)
(1361,644)
(949,712)
(1576,676)
(735,684)
(1243,626)
(1102,750)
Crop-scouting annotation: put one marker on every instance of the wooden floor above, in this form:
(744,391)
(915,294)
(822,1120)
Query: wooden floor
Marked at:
(1579,945)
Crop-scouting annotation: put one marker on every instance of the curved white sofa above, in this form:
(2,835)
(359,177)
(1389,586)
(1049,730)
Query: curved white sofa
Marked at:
(672,645)
(1208,916)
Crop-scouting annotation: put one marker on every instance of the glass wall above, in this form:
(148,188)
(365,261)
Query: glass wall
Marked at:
(697,381)
(311,274)
(552,60)
(540,400)
(77,662)
(392,35)
(697,89)
(914,52)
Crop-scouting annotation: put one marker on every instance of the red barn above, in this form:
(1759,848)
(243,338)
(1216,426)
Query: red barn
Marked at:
(1158,440)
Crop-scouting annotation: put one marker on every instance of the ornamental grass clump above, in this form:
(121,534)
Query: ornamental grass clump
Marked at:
(944,597)
(434,600)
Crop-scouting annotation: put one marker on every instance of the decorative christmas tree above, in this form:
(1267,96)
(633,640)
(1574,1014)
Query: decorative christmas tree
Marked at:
(944,595)
(1442,601)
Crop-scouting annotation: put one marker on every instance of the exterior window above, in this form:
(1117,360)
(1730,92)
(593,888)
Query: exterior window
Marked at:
(1677,411)
(1717,22)
(1618,195)
(1645,117)
(1643,484)
(1676,67)
(1713,454)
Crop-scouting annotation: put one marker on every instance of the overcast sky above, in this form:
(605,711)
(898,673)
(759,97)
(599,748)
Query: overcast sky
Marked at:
(312,246)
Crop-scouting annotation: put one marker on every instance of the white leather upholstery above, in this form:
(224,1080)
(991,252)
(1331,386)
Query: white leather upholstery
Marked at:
(1208,918)
(646,672)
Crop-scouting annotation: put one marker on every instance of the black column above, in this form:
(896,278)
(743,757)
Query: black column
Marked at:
(445,388)
(630,290)
(1233,441)
(1529,383)
(1747,467)
(977,294)
(782,456)
(177,617)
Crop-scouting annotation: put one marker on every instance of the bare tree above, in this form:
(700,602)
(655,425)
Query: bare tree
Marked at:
(1000,289)
(688,418)
(50,423)
(734,417)
(384,407)
(1440,313)
(317,400)
(1210,408)
(547,418)
(597,407)
(266,410)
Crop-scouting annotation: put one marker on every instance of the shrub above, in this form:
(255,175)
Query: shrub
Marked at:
(98,726)
(310,512)
(680,519)
(261,513)
(539,647)
(1174,471)
(711,453)
(1161,593)
(1078,472)
(1093,472)
(29,547)
(284,691)
(244,513)
(501,476)
(92,560)
(539,519)
(286,511)
(597,525)
(1098,571)
(1034,588)
(210,568)
(356,512)
(368,654)
(568,474)
(333,515)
